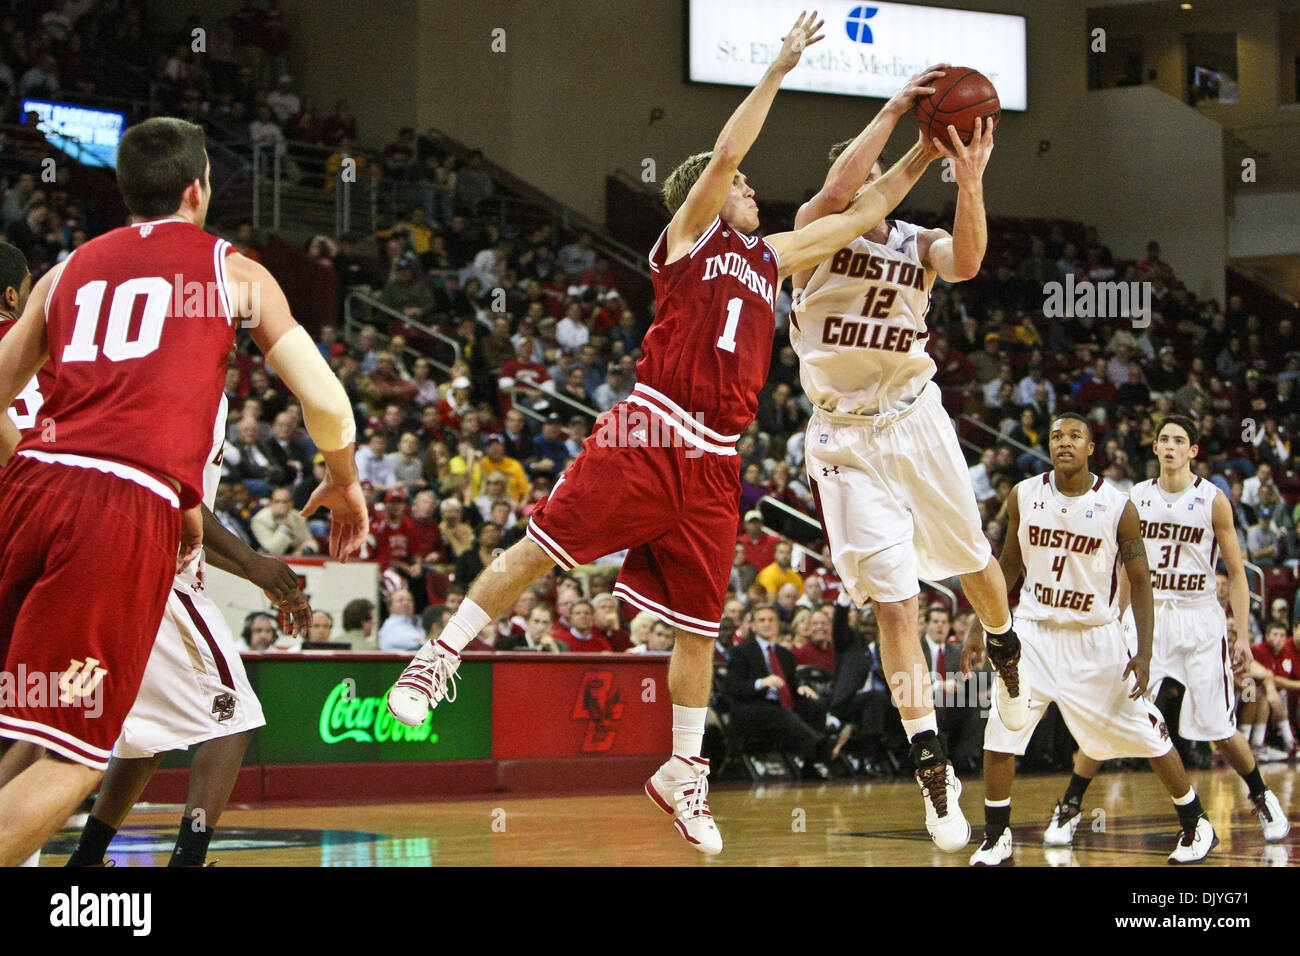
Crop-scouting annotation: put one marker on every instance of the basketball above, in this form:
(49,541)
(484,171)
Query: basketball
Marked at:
(960,96)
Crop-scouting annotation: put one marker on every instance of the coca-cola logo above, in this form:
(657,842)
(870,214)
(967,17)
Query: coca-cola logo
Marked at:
(345,716)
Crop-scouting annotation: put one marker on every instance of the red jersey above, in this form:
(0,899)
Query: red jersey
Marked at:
(139,331)
(1284,664)
(812,655)
(759,554)
(594,644)
(394,541)
(710,346)
(425,537)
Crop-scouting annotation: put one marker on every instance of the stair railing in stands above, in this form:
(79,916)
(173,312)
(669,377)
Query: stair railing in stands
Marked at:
(1007,439)
(356,301)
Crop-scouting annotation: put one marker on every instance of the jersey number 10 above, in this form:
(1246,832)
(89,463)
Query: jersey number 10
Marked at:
(117,348)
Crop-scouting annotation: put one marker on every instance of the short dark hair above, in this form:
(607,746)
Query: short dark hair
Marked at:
(156,162)
(356,612)
(1075,416)
(1276,623)
(936,609)
(13,267)
(839,148)
(1183,422)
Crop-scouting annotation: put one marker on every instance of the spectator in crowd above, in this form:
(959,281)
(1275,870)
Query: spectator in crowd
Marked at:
(322,626)
(402,630)
(281,530)
(761,687)
(607,623)
(359,625)
(471,562)
(659,640)
(580,633)
(260,632)
(373,465)
(537,636)
(779,572)
(225,512)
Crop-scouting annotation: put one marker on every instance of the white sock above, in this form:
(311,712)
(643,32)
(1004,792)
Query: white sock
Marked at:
(1257,735)
(1288,740)
(33,860)
(920,725)
(464,625)
(688,730)
(997,803)
(1186,798)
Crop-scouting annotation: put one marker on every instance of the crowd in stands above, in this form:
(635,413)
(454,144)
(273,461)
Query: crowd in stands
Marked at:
(497,346)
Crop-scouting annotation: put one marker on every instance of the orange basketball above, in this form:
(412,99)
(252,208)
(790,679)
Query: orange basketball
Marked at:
(960,96)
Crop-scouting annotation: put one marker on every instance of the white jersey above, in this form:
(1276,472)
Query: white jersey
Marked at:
(1178,530)
(189,577)
(1070,548)
(859,327)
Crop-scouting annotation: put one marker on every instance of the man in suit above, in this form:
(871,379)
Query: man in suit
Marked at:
(760,683)
(860,699)
(956,703)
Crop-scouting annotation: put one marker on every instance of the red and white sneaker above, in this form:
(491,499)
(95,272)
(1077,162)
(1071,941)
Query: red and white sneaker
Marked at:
(681,788)
(428,680)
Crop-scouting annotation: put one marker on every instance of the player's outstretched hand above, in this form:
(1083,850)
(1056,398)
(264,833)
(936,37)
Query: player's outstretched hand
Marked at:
(279,582)
(968,162)
(918,85)
(1241,652)
(1140,668)
(191,537)
(804,33)
(349,522)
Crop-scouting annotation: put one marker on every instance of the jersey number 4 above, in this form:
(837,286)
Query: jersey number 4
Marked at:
(1058,566)
(157,293)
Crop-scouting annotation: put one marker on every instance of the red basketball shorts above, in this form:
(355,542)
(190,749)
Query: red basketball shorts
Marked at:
(670,503)
(86,565)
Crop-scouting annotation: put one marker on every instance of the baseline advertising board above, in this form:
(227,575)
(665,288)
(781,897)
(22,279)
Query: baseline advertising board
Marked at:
(870,49)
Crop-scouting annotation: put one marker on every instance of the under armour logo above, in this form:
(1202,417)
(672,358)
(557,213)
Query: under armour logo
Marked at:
(1040,504)
(832,470)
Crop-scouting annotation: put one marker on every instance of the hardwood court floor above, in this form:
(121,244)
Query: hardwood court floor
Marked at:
(1128,821)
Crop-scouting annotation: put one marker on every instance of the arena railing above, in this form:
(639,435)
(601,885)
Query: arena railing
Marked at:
(353,322)
(1005,439)
(949,594)
(523,388)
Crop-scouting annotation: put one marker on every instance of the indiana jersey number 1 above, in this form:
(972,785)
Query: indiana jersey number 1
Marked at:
(728,340)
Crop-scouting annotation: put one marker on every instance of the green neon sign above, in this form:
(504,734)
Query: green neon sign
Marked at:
(366,720)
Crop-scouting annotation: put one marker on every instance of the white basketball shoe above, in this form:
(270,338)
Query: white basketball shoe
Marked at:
(1195,843)
(680,788)
(1065,820)
(995,852)
(1272,818)
(428,680)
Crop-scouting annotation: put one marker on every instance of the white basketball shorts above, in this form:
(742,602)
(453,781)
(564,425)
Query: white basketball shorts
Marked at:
(1082,670)
(1190,644)
(194,688)
(896,499)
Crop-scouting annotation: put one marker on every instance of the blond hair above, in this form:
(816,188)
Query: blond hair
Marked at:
(679,182)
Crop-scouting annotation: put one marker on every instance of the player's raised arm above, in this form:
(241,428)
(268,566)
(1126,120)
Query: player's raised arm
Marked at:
(1133,552)
(958,257)
(1225,532)
(804,248)
(326,411)
(22,353)
(853,166)
(707,196)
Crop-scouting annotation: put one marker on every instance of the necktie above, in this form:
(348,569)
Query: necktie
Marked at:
(775,667)
(940,665)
